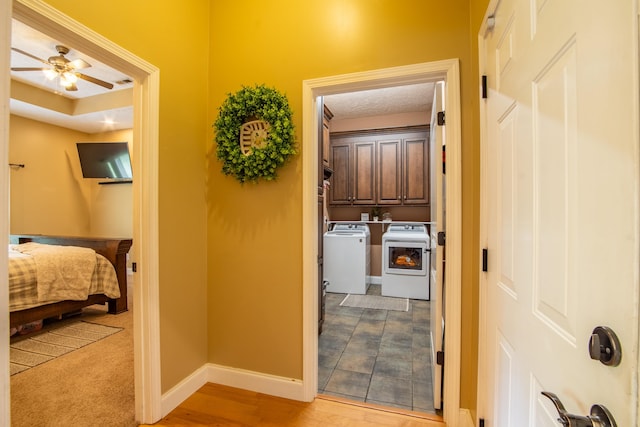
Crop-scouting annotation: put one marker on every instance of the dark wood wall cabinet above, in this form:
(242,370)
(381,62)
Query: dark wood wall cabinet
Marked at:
(380,167)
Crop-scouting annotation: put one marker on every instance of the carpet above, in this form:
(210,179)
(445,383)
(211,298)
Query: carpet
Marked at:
(55,342)
(376,302)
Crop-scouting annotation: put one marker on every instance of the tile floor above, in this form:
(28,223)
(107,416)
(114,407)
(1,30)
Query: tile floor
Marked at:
(376,356)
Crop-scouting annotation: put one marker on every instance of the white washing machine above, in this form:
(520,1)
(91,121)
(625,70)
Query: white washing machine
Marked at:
(346,258)
(405,261)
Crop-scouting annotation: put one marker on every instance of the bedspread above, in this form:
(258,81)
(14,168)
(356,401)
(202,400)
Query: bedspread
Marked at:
(23,278)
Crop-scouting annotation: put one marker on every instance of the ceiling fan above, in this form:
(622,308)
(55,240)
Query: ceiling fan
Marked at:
(63,69)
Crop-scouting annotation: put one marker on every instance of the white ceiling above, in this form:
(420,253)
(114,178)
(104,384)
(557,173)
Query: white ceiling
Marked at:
(93,108)
(90,109)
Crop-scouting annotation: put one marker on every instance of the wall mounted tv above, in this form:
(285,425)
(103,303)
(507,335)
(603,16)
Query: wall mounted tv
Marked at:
(106,160)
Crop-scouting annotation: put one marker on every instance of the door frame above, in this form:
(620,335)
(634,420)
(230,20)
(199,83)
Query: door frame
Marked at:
(145,193)
(448,70)
(482,281)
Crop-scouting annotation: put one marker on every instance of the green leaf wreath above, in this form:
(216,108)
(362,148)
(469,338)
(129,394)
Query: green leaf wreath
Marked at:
(254,103)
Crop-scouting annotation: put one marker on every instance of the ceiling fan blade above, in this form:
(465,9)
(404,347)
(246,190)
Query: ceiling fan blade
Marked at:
(79,63)
(15,49)
(28,69)
(94,80)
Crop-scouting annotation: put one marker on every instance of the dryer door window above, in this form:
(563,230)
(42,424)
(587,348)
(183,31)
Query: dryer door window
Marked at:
(405,258)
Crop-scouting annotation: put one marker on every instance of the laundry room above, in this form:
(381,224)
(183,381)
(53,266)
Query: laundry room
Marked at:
(376,299)
(375,158)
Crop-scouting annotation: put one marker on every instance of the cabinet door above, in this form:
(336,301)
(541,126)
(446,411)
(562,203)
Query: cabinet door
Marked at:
(325,142)
(416,171)
(364,173)
(340,181)
(388,170)
(326,117)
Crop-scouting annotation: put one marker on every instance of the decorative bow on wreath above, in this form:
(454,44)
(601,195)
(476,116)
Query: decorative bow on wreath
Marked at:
(254,133)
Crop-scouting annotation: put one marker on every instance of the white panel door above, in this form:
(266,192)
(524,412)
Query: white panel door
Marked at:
(560,209)
(436,201)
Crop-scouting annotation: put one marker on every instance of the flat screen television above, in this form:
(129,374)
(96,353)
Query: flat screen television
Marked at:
(106,160)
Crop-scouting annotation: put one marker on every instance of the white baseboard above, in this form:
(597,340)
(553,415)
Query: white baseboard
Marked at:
(465,418)
(248,380)
(375,280)
(273,385)
(181,391)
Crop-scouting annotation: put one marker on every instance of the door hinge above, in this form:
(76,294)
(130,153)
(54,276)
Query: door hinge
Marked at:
(441,120)
(484,87)
(485,256)
(440,358)
(134,266)
(442,238)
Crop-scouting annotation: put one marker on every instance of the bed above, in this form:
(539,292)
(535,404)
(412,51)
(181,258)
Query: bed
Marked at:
(115,252)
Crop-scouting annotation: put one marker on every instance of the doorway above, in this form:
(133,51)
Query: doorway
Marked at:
(145,159)
(314,89)
(377,355)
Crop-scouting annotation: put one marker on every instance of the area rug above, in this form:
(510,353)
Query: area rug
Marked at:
(376,302)
(55,342)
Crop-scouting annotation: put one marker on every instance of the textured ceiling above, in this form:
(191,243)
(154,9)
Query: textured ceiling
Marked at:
(380,102)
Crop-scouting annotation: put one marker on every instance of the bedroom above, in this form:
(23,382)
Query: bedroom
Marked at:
(48,192)
(70,214)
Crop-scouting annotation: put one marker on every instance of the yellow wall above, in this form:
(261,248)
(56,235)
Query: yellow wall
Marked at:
(254,251)
(173,36)
(48,195)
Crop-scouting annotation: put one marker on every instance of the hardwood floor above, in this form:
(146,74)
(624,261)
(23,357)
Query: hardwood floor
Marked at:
(217,405)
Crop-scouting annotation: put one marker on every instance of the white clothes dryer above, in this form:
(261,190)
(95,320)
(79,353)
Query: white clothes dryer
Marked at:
(405,261)
(346,258)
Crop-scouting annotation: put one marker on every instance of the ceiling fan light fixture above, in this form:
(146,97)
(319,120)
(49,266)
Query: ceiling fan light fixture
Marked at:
(50,73)
(69,77)
(62,69)
(68,81)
